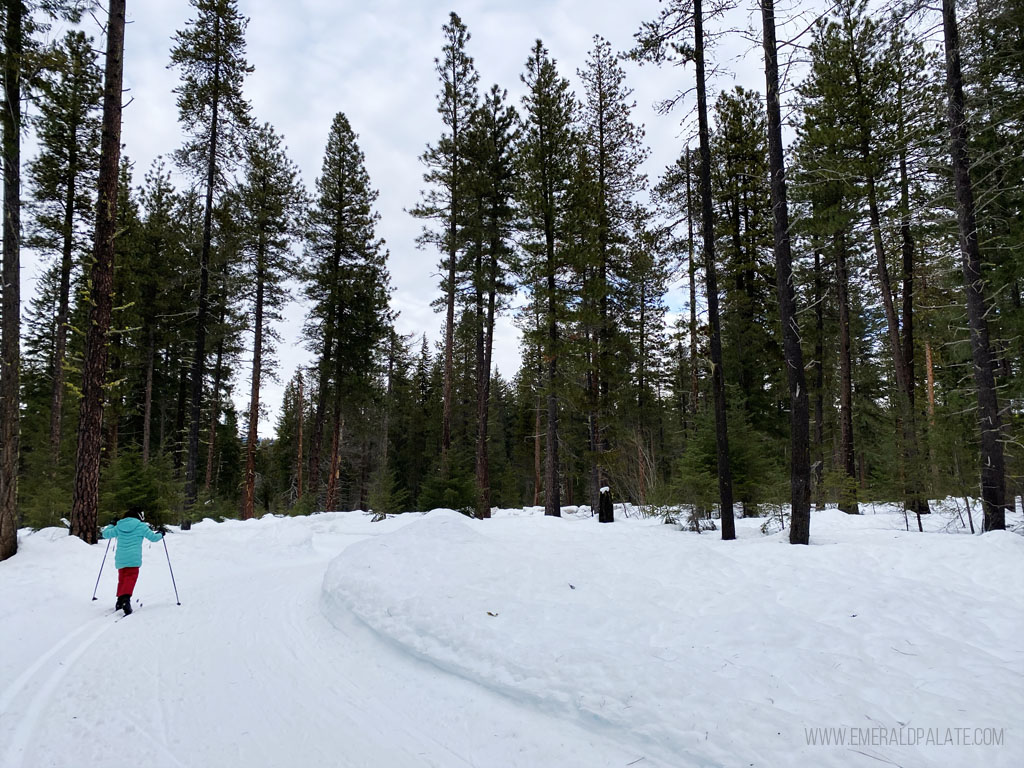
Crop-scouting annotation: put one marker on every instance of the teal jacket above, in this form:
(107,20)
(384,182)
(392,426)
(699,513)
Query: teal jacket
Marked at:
(129,533)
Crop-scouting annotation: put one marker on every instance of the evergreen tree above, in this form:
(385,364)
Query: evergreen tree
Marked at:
(992,463)
(657,42)
(210,53)
(17,60)
(800,479)
(346,285)
(858,51)
(545,173)
(447,173)
(493,133)
(826,152)
(61,178)
(269,200)
(85,501)
(992,59)
(161,291)
(740,181)
(614,148)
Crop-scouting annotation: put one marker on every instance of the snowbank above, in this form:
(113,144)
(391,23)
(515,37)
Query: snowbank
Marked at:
(714,653)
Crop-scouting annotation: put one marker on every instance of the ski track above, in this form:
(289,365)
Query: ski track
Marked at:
(361,711)
(14,688)
(28,724)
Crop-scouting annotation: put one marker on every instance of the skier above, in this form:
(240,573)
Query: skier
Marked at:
(129,532)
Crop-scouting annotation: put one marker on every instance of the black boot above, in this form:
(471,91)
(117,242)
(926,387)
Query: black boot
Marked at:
(127,604)
(120,602)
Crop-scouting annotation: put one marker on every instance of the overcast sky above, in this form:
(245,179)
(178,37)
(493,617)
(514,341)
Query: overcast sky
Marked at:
(373,61)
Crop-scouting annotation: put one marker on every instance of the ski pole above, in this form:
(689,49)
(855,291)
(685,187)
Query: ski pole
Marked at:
(101,569)
(164,540)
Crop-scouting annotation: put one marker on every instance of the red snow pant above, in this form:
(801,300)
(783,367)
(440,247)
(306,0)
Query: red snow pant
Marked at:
(126,578)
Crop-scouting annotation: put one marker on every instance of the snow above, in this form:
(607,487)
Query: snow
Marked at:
(523,640)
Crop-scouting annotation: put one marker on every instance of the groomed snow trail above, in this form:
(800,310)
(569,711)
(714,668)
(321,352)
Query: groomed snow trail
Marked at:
(246,672)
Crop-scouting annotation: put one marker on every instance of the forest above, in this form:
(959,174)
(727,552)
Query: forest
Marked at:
(853,329)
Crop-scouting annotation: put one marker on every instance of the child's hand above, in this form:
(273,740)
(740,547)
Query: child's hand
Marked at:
(162,529)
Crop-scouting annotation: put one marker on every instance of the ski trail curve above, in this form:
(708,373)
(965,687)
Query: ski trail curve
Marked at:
(27,724)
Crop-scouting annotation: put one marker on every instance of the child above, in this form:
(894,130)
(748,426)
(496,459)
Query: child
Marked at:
(129,532)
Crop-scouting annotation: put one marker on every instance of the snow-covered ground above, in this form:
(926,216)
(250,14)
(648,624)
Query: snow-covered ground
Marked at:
(437,640)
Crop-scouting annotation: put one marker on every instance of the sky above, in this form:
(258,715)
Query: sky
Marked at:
(374,61)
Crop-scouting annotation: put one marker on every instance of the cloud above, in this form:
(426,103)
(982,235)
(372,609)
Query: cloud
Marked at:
(374,62)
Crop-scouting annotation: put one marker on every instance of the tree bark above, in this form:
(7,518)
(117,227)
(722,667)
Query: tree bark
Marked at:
(819,370)
(85,499)
(147,399)
(717,377)
(800,469)
(254,400)
(199,359)
(61,321)
(211,442)
(692,270)
(10,434)
(298,451)
(848,492)
(483,468)
(320,413)
(993,480)
(179,418)
(332,480)
(904,374)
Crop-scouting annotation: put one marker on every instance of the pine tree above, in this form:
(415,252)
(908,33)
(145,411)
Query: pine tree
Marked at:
(447,174)
(657,42)
(210,53)
(740,183)
(492,136)
(614,148)
(160,285)
(269,202)
(992,59)
(992,462)
(346,285)
(61,178)
(826,150)
(18,58)
(545,172)
(859,51)
(85,501)
(800,477)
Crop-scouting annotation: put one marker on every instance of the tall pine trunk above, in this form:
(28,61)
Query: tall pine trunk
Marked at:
(552,482)
(61,320)
(692,272)
(10,434)
(218,375)
(147,400)
(332,479)
(85,499)
(800,470)
(848,492)
(717,377)
(199,358)
(819,370)
(298,452)
(993,480)
(320,412)
(484,353)
(254,397)
(913,500)
(181,406)
(211,442)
